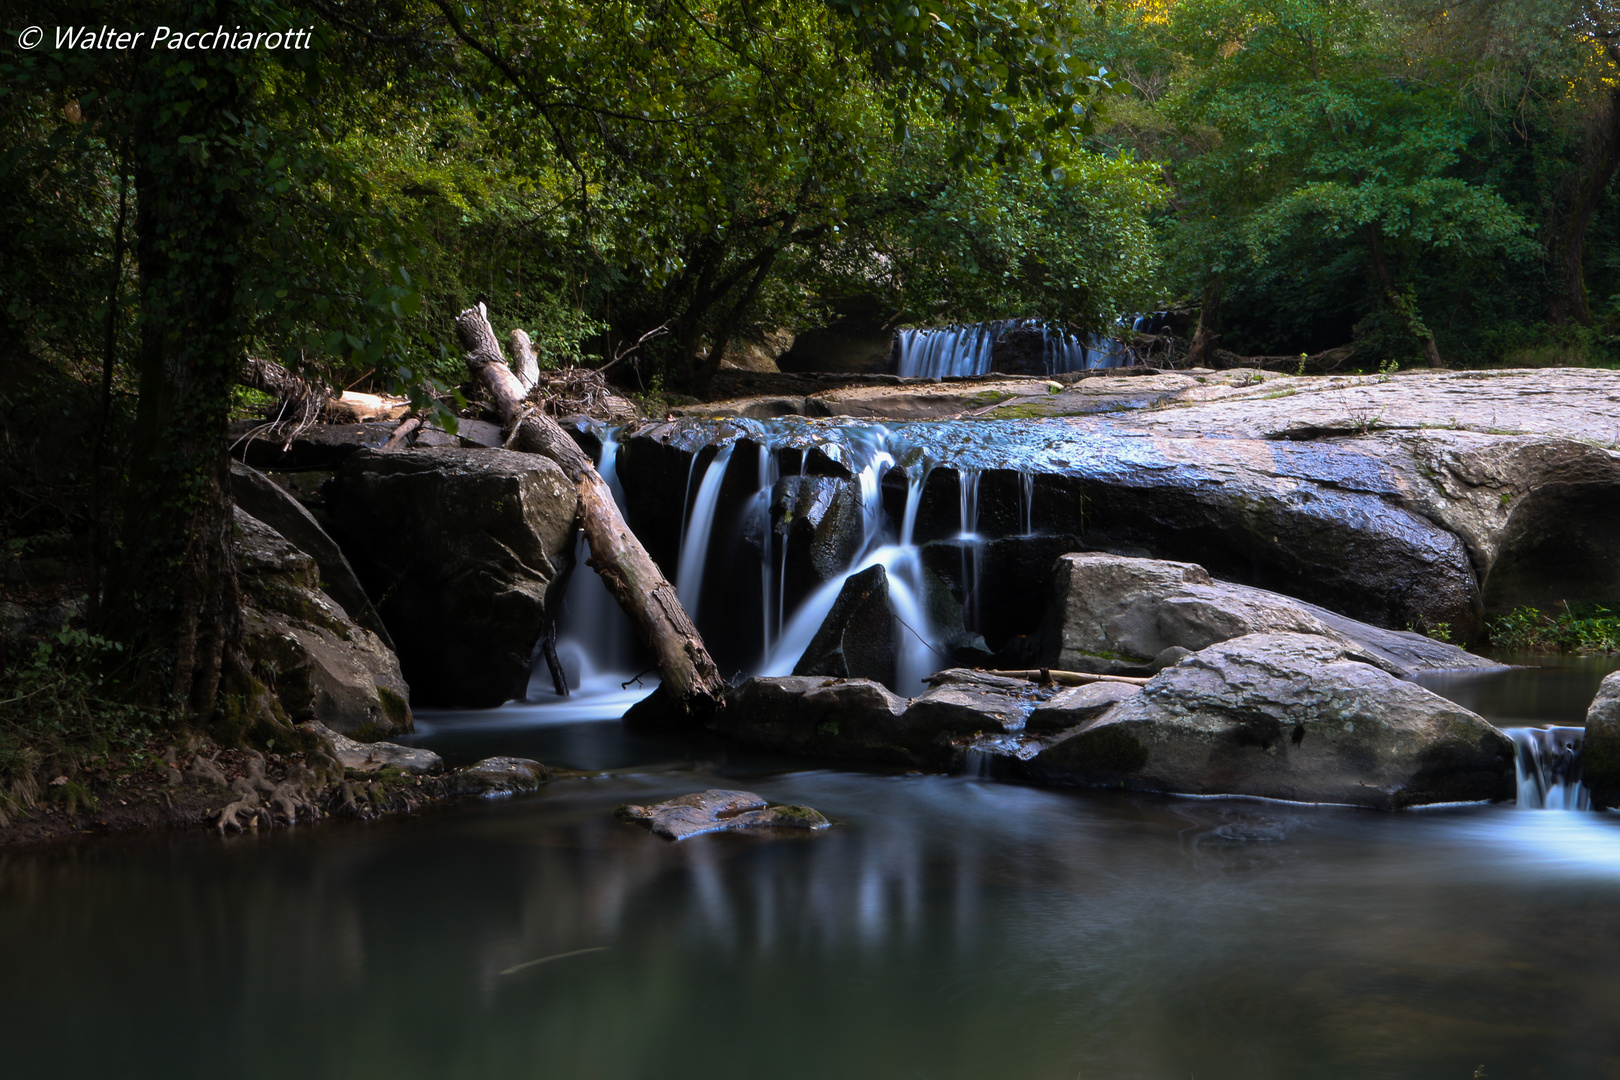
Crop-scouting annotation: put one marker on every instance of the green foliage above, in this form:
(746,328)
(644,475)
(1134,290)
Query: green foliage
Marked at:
(1406,177)
(1588,629)
(62,709)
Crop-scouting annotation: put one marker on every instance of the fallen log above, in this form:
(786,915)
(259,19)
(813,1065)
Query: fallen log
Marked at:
(692,686)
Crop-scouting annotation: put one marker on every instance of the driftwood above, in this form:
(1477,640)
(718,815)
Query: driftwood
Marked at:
(691,681)
(303,404)
(1313,364)
(1067,678)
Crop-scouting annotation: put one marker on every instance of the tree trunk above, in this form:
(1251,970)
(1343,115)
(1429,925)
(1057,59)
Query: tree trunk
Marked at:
(691,681)
(171,588)
(1201,353)
(1569,302)
(1399,304)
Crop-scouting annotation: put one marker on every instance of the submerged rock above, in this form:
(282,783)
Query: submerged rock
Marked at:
(466,553)
(1287,716)
(1117,614)
(499,776)
(373,756)
(1601,749)
(322,664)
(718,811)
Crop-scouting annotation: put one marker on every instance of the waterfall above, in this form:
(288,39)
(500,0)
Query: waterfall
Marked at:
(1026,503)
(915,655)
(960,351)
(1547,763)
(597,643)
(972,545)
(695,537)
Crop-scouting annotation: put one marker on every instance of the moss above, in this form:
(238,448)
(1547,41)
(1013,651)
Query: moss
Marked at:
(396,708)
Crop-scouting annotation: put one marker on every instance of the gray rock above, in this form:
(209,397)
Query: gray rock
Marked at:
(466,552)
(322,664)
(276,507)
(373,756)
(819,716)
(499,776)
(964,701)
(324,446)
(1288,716)
(1115,614)
(1600,752)
(856,639)
(1076,705)
(719,811)
(858,719)
(819,522)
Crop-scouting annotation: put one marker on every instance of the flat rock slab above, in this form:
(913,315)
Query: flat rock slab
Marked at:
(499,776)
(370,757)
(719,811)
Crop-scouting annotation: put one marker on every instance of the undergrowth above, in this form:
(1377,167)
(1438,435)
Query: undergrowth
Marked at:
(59,716)
(1582,629)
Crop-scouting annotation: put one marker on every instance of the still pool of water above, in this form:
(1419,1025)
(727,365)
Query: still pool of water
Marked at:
(946,928)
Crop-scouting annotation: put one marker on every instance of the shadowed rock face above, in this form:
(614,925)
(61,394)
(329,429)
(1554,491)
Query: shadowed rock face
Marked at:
(324,666)
(1600,751)
(464,553)
(856,640)
(1287,716)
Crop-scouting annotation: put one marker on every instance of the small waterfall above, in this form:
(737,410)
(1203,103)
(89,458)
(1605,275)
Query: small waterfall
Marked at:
(972,546)
(595,641)
(1547,763)
(695,537)
(960,351)
(1026,503)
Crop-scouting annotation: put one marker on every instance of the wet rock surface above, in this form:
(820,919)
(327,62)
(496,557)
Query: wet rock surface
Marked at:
(498,776)
(1600,751)
(322,664)
(716,810)
(465,553)
(1117,614)
(375,756)
(1287,716)
(1076,705)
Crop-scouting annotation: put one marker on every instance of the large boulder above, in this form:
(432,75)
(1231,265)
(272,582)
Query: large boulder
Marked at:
(1287,716)
(1112,613)
(323,666)
(1601,748)
(466,553)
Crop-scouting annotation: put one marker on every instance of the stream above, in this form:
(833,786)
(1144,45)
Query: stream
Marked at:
(946,927)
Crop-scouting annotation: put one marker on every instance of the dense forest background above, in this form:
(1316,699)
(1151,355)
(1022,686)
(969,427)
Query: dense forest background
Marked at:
(1431,184)
(1307,173)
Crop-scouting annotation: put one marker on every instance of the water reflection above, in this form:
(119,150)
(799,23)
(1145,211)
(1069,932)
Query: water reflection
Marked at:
(945,928)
